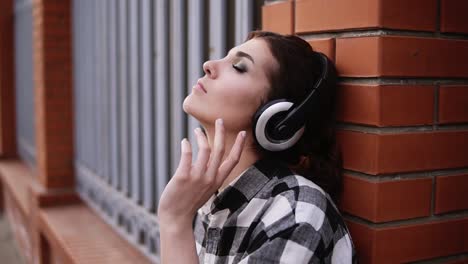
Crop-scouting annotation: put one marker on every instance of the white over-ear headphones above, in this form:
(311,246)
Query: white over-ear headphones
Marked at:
(279,124)
(266,114)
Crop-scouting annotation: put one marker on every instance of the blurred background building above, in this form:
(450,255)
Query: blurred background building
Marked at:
(91,118)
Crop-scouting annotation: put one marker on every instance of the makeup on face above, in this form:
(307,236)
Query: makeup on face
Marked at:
(238,62)
(239,66)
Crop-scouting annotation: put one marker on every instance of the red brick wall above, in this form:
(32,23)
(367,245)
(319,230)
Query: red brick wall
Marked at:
(7,95)
(403,114)
(51,182)
(53,92)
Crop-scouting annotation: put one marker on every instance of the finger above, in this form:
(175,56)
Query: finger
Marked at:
(185,159)
(233,157)
(199,167)
(217,152)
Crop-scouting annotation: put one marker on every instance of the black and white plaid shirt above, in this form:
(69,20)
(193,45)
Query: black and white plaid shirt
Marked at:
(270,215)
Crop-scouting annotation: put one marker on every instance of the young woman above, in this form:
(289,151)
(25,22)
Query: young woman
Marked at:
(244,201)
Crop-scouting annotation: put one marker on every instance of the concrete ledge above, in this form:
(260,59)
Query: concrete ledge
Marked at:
(17,178)
(83,237)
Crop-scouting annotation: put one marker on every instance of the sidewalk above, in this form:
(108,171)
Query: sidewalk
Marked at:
(8,251)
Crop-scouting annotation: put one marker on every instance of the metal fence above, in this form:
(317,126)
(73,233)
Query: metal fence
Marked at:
(24,81)
(134,63)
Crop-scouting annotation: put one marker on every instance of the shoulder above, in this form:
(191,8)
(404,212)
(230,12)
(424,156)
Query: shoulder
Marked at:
(297,200)
(289,199)
(296,196)
(302,209)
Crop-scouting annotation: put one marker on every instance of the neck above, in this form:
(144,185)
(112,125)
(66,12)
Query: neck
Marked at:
(249,153)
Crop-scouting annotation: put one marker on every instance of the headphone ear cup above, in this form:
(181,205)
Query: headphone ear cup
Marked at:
(265,119)
(263,108)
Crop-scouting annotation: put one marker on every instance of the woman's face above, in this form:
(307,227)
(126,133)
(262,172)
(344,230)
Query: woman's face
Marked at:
(233,87)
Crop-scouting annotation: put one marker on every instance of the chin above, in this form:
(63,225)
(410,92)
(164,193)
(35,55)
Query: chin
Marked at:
(185,106)
(190,108)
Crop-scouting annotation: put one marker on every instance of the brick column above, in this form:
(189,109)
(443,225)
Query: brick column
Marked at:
(7,84)
(403,115)
(52,42)
(53,92)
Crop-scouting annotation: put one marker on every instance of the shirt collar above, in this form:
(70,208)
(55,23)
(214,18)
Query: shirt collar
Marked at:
(244,187)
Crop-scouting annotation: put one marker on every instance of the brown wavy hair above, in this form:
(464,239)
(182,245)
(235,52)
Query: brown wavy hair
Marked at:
(316,155)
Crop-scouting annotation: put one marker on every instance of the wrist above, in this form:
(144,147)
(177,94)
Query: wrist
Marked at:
(175,224)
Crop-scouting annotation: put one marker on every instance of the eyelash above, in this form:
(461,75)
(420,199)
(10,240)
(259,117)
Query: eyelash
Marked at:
(238,69)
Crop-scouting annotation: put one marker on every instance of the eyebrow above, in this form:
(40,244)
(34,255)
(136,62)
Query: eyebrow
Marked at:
(245,55)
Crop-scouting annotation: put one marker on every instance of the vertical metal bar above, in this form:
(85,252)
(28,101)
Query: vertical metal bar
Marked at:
(79,105)
(195,57)
(30,71)
(89,86)
(178,79)
(114,130)
(79,78)
(82,88)
(123,96)
(104,102)
(134,97)
(96,89)
(77,37)
(84,81)
(24,82)
(147,102)
(162,146)
(218,24)
(244,19)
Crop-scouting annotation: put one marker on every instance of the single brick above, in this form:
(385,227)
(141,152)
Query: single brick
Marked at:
(388,200)
(326,46)
(451,193)
(386,105)
(453,16)
(403,152)
(406,243)
(395,56)
(278,17)
(334,15)
(453,104)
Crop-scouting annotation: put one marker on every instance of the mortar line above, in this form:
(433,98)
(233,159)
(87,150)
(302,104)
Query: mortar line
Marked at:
(458,215)
(365,128)
(443,259)
(403,81)
(377,32)
(406,175)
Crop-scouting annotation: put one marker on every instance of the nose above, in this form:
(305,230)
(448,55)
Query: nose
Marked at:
(209,69)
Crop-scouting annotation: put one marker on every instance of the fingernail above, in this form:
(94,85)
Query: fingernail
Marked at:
(219,121)
(243,134)
(196,130)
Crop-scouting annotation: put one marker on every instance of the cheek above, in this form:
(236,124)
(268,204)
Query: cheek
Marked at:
(235,104)
(241,104)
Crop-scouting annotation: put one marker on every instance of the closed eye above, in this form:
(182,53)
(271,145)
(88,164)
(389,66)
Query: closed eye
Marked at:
(239,67)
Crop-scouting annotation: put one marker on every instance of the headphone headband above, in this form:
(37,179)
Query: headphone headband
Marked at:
(296,115)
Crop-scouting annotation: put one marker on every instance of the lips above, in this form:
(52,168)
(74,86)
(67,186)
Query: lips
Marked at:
(201,86)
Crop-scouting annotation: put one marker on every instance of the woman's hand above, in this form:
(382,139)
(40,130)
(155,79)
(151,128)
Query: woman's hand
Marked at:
(193,184)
